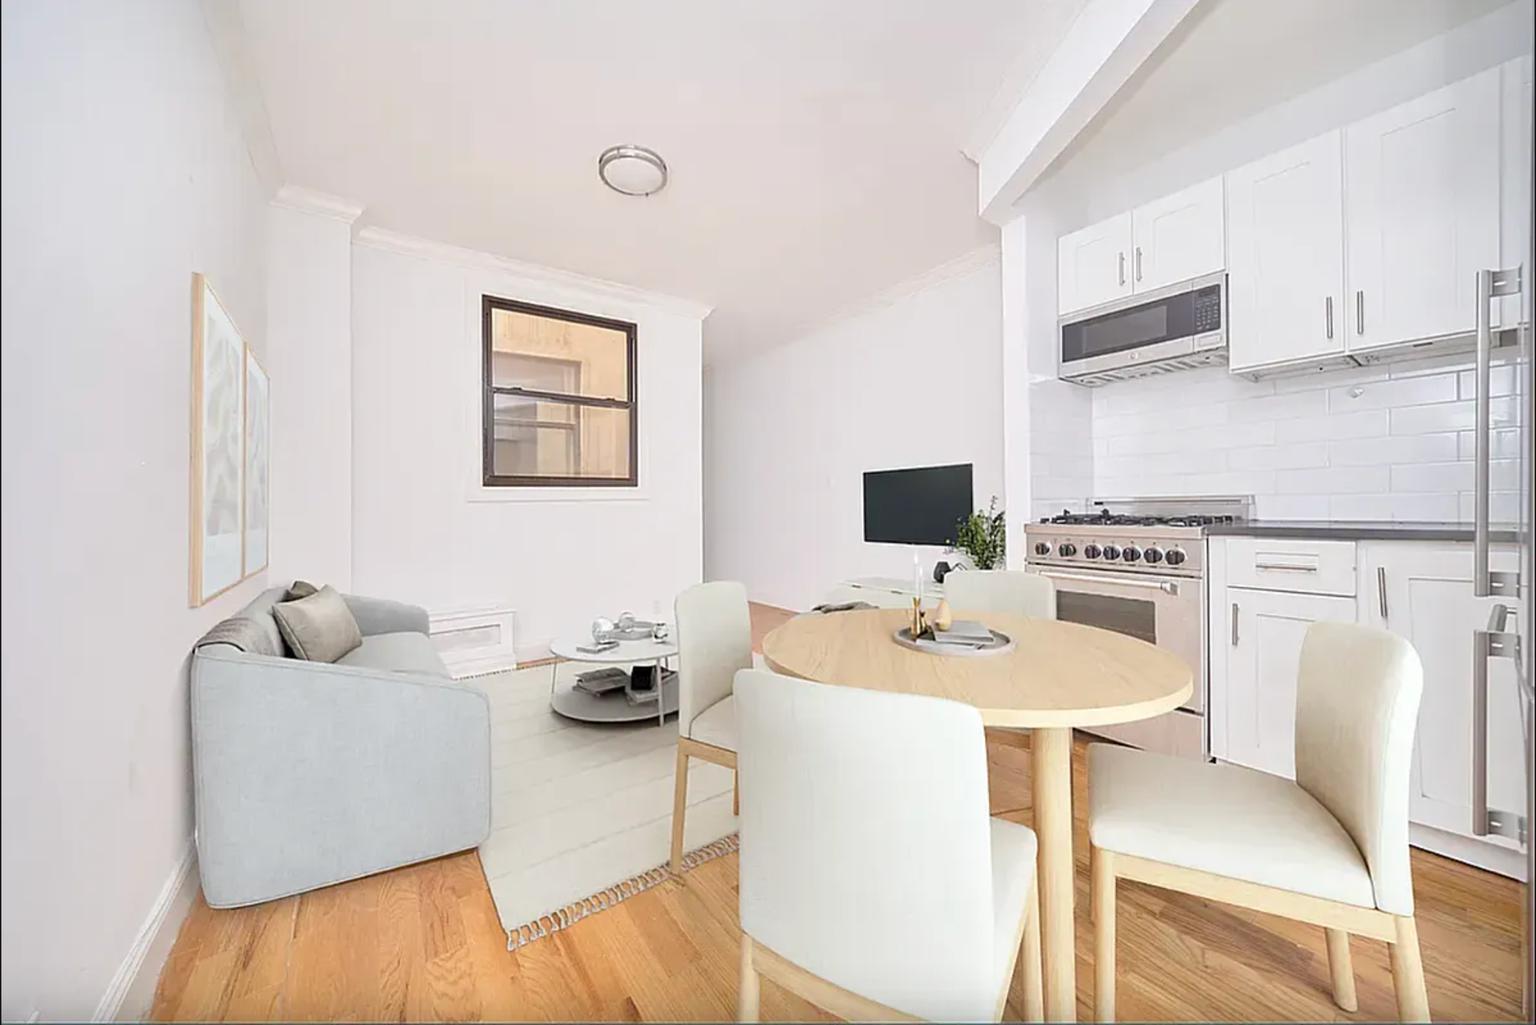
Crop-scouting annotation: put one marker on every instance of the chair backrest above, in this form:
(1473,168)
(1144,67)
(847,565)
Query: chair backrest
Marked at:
(1357,703)
(714,639)
(999,590)
(865,841)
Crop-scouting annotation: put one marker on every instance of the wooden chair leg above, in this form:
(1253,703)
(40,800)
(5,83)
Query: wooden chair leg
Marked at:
(749,995)
(1103,935)
(736,793)
(1408,972)
(1029,958)
(679,810)
(1342,969)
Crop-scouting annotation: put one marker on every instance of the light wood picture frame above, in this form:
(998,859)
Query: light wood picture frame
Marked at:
(257,439)
(217,448)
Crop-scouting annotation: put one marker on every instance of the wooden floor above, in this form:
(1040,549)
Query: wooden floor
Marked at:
(423,943)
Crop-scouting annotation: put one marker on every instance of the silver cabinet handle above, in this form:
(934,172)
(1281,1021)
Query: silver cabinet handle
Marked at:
(1285,567)
(1122,268)
(1138,263)
(1488,644)
(1381,590)
(1234,624)
(1490,283)
(1328,314)
(1359,312)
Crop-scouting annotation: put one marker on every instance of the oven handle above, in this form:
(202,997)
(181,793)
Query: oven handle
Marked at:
(1166,586)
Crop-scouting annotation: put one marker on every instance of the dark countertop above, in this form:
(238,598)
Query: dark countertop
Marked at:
(1360,530)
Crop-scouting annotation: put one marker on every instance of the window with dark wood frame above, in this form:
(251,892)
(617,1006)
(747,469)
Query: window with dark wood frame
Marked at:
(558,391)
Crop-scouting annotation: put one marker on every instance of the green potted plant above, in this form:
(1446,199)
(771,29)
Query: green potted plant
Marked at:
(982,536)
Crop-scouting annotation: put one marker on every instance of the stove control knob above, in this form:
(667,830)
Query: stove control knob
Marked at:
(1175,556)
(1066,551)
(1111,552)
(1041,548)
(1153,555)
(1131,553)
(1091,551)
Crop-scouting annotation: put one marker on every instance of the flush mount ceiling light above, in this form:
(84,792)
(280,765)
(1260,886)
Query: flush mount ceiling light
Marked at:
(632,170)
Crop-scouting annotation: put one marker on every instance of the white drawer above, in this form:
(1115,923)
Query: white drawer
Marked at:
(1291,564)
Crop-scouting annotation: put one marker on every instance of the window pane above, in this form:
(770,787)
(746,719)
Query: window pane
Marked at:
(530,351)
(544,438)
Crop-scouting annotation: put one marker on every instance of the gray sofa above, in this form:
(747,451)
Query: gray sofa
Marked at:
(310,773)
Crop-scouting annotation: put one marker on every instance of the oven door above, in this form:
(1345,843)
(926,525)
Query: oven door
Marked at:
(1166,611)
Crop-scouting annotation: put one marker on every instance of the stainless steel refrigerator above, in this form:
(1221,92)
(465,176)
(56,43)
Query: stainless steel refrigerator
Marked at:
(1509,636)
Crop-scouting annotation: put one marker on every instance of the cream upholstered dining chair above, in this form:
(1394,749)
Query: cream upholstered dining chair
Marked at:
(1001,590)
(873,882)
(714,639)
(1330,848)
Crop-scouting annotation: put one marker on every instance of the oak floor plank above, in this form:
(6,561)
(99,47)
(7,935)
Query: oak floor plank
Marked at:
(424,943)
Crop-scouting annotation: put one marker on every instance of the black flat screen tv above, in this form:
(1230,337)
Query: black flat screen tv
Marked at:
(920,506)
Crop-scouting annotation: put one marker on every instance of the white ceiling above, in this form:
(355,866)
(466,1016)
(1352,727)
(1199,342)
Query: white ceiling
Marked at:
(814,146)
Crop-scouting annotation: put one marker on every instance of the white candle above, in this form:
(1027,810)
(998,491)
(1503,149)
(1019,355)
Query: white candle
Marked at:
(917,577)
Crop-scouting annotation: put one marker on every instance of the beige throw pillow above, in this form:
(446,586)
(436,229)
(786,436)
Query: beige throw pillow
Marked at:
(319,628)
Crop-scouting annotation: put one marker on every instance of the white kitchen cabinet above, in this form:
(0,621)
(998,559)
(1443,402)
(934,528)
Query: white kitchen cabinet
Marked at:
(1421,201)
(1178,237)
(1423,591)
(1285,256)
(1093,264)
(1255,711)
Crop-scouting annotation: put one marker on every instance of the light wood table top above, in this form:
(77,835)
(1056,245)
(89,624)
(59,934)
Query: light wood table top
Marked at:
(1058,674)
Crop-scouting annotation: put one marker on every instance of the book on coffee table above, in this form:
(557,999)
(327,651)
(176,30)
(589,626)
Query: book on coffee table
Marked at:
(602,681)
(965,632)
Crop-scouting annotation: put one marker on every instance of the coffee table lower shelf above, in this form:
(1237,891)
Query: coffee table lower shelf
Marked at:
(565,699)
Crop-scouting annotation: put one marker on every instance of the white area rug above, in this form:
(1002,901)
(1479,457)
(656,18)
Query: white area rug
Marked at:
(581,814)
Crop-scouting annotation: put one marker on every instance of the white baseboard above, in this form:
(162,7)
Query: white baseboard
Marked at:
(1485,854)
(132,991)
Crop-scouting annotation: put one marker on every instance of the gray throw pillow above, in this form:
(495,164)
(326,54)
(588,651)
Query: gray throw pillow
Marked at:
(319,628)
(300,589)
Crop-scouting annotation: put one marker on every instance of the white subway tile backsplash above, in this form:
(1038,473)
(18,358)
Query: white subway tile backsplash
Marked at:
(1501,381)
(1503,444)
(1344,480)
(1279,457)
(1339,425)
(1408,391)
(1408,448)
(1387,441)
(1503,506)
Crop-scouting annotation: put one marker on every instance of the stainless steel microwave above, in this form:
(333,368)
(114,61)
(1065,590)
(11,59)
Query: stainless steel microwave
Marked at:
(1177,327)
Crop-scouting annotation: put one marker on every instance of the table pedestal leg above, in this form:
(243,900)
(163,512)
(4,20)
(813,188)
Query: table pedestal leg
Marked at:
(1051,759)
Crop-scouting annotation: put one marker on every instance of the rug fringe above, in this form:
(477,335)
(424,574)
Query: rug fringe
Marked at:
(564,918)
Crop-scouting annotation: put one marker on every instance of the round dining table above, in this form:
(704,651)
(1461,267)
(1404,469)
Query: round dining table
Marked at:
(1056,677)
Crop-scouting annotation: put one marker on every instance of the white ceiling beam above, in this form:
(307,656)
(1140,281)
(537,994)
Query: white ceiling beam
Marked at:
(1105,46)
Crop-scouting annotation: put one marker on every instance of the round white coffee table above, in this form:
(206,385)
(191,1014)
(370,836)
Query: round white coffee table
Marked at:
(618,705)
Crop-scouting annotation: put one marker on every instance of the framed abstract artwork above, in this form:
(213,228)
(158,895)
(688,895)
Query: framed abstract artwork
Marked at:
(218,455)
(258,456)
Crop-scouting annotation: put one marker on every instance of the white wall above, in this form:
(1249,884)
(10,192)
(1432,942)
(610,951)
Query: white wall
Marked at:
(424,530)
(1199,432)
(791,431)
(309,322)
(125,172)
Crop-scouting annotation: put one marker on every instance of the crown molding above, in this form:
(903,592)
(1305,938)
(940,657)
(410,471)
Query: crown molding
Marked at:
(443,252)
(323,204)
(959,266)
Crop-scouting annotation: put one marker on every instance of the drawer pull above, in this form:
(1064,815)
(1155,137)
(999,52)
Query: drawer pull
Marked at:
(1286,567)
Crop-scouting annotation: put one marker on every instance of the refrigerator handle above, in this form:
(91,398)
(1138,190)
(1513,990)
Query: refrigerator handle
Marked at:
(1494,642)
(1490,285)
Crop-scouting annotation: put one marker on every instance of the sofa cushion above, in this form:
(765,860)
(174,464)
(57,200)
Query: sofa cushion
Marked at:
(252,629)
(397,652)
(319,628)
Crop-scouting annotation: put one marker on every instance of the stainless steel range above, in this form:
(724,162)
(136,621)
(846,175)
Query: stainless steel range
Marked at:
(1137,566)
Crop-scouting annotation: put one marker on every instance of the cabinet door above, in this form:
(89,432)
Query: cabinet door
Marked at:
(1421,189)
(1264,634)
(1285,256)
(1179,237)
(1093,264)
(1424,592)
